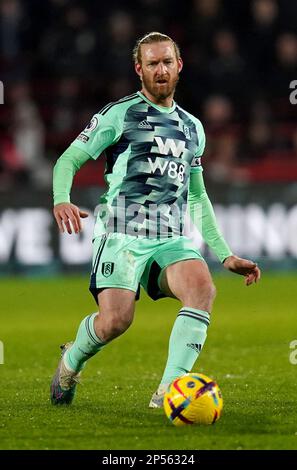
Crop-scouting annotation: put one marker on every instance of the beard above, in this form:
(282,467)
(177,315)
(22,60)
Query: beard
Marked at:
(160,92)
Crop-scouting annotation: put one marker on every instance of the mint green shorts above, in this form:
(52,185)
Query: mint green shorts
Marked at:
(126,262)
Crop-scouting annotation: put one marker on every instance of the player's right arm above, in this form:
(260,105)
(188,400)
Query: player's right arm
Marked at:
(102,131)
(66,213)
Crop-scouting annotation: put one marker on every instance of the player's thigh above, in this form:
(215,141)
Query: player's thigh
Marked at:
(170,251)
(175,251)
(188,278)
(173,283)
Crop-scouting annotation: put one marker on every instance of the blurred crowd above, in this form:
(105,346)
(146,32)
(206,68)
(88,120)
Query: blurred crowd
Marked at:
(62,60)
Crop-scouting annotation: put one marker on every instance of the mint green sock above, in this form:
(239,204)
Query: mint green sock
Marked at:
(187,338)
(86,345)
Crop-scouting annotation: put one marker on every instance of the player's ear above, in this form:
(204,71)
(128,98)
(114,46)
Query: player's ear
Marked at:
(180,65)
(138,69)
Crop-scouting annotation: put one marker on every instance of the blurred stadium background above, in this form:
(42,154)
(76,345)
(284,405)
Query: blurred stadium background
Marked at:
(60,62)
(63,60)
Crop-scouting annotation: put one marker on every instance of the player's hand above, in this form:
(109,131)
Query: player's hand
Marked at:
(245,267)
(68,215)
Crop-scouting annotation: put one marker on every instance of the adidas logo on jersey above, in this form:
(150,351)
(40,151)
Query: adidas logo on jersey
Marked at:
(145,125)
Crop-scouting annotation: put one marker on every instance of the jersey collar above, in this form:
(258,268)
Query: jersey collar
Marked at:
(162,109)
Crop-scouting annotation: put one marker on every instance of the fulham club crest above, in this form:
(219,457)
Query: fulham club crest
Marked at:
(107,269)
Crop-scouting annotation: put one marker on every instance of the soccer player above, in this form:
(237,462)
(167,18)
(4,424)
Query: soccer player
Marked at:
(153,171)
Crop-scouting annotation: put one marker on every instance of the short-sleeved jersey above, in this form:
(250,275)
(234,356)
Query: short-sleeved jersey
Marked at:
(150,152)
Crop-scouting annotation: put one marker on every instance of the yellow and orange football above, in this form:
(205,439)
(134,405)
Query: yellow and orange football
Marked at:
(193,398)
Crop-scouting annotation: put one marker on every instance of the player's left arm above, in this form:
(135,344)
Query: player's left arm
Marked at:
(203,217)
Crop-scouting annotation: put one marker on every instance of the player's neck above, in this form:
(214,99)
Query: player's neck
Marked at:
(165,103)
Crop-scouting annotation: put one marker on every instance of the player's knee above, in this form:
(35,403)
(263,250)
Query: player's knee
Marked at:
(204,286)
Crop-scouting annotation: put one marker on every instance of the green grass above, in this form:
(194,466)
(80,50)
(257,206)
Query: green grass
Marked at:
(247,352)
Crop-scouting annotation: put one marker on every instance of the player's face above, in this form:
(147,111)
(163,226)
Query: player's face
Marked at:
(159,69)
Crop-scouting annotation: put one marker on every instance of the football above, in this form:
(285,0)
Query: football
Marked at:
(193,398)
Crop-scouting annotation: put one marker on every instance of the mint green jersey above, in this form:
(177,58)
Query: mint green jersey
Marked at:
(150,153)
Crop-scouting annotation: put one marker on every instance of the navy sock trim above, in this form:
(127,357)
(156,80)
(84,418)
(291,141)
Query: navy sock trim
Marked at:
(89,331)
(197,314)
(196,317)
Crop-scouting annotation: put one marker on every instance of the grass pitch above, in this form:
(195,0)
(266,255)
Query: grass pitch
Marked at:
(247,352)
